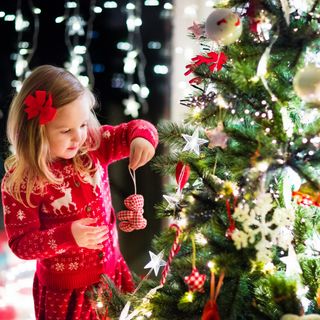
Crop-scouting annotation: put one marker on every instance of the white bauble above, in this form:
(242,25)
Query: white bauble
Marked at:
(223,26)
(306,84)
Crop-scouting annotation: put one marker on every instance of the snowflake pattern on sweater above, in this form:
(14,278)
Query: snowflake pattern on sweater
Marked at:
(44,233)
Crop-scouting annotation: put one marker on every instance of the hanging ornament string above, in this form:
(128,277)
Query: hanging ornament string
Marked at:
(174,250)
(232,224)
(133,176)
(263,66)
(193,252)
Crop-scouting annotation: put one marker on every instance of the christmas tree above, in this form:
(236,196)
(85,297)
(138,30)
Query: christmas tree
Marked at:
(244,234)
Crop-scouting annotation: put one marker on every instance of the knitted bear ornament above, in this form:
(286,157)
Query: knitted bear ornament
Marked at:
(132,219)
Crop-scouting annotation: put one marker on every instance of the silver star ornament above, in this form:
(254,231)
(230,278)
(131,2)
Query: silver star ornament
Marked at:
(156,262)
(193,142)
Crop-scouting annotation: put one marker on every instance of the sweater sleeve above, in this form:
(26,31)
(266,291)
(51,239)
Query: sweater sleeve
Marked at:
(23,229)
(116,140)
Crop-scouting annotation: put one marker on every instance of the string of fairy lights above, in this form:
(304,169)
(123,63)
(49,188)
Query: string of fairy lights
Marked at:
(78,36)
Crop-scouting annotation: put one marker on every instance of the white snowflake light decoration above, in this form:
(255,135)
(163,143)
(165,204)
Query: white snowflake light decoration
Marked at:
(263,226)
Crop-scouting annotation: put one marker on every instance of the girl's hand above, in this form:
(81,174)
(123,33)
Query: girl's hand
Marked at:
(87,236)
(141,151)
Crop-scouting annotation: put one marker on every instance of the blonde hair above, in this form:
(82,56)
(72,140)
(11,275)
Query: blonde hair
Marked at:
(29,165)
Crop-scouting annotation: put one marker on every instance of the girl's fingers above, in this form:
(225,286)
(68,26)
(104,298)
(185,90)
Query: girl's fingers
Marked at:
(87,221)
(94,247)
(101,237)
(135,160)
(95,230)
(144,159)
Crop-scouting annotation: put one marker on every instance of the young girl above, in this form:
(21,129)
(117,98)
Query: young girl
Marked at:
(56,195)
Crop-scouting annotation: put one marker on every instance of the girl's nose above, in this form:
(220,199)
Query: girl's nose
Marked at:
(76,136)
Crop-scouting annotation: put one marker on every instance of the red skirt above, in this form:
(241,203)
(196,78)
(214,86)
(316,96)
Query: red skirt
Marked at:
(74,304)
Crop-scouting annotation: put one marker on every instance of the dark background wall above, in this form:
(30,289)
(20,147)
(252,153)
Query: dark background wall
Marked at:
(109,27)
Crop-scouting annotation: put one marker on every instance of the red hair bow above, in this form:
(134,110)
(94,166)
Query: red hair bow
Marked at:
(39,106)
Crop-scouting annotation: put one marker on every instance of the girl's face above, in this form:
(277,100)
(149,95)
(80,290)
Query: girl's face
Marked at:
(68,130)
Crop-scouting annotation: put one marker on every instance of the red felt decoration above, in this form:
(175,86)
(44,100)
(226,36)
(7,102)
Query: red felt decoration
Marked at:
(132,219)
(213,60)
(232,225)
(195,280)
(40,105)
(210,311)
(182,174)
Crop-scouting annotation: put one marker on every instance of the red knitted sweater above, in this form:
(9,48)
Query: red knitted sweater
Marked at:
(44,232)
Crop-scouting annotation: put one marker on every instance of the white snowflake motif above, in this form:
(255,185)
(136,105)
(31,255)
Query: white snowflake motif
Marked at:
(20,215)
(6,210)
(50,232)
(44,209)
(73,265)
(143,127)
(60,251)
(262,227)
(52,243)
(106,134)
(59,266)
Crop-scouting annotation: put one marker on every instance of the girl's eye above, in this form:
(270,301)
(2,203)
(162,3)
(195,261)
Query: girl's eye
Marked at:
(84,125)
(65,131)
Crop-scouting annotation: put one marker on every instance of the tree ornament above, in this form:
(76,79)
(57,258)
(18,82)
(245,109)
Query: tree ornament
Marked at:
(195,280)
(259,22)
(197,29)
(213,60)
(232,224)
(217,137)
(292,264)
(307,195)
(155,263)
(174,250)
(182,174)
(210,311)
(132,219)
(291,182)
(306,84)
(193,142)
(223,26)
(263,226)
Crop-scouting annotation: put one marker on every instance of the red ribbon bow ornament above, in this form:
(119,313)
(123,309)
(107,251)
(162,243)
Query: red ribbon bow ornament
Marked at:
(38,105)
